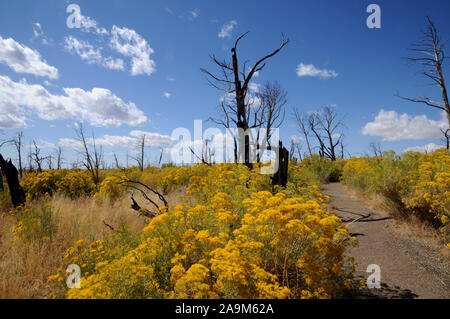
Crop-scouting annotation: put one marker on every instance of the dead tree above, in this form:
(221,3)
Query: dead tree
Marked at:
(430,56)
(302,122)
(235,81)
(116,160)
(376,149)
(139,158)
(281,175)
(142,188)
(16,191)
(272,99)
(30,159)
(49,160)
(446,137)
(59,157)
(17,141)
(205,157)
(91,159)
(324,124)
(295,146)
(160,157)
(37,157)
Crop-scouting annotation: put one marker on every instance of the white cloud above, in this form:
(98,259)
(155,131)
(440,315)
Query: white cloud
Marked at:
(40,143)
(428,148)
(166,95)
(113,64)
(254,87)
(37,30)
(70,143)
(22,59)
(392,126)
(153,139)
(226,30)
(311,70)
(194,14)
(130,44)
(84,49)
(91,55)
(38,33)
(99,107)
(88,24)
(116,141)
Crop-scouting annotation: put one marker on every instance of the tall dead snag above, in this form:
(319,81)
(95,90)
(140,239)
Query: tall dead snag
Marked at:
(92,159)
(139,158)
(235,81)
(15,190)
(302,122)
(17,141)
(446,138)
(59,158)
(430,57)
(37,157)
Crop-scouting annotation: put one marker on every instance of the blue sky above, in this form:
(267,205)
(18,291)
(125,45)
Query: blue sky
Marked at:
(144,58)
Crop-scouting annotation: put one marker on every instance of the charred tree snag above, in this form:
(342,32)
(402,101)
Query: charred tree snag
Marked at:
(281,176)
(15,190)
(1,181)
(144,211)
(234,79)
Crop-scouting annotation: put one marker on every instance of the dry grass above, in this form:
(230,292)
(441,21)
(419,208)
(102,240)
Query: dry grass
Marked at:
(25,266)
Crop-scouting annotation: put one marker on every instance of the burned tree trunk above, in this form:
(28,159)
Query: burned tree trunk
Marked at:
(1,181)
(281,176)
(15,190)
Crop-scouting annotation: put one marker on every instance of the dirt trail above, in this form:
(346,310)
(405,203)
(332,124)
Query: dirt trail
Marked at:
(410,268)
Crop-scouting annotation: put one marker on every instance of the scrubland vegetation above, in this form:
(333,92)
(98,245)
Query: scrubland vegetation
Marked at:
(226,232)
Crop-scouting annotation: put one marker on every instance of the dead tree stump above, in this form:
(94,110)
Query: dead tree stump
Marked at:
(15,190)
(281,175)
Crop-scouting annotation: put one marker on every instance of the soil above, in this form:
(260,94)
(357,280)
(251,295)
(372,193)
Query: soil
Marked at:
(410,267)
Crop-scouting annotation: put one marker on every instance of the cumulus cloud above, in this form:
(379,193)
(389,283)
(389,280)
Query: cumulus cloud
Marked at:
(225,31)
(38,33)
(40,143)
(392,126)
(428,148)
(166,95)
(130,44)
(151,139)
(194,14)
(311,70)
(90,54)
(88,24)
(23,59)
(83,49)
(99,107)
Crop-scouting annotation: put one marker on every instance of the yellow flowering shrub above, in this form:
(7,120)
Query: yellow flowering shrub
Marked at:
(33,223)
(109,190)
(416,183)
(70,183)
(231,238)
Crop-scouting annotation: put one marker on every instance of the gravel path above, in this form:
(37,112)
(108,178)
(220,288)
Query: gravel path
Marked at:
(410,268)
